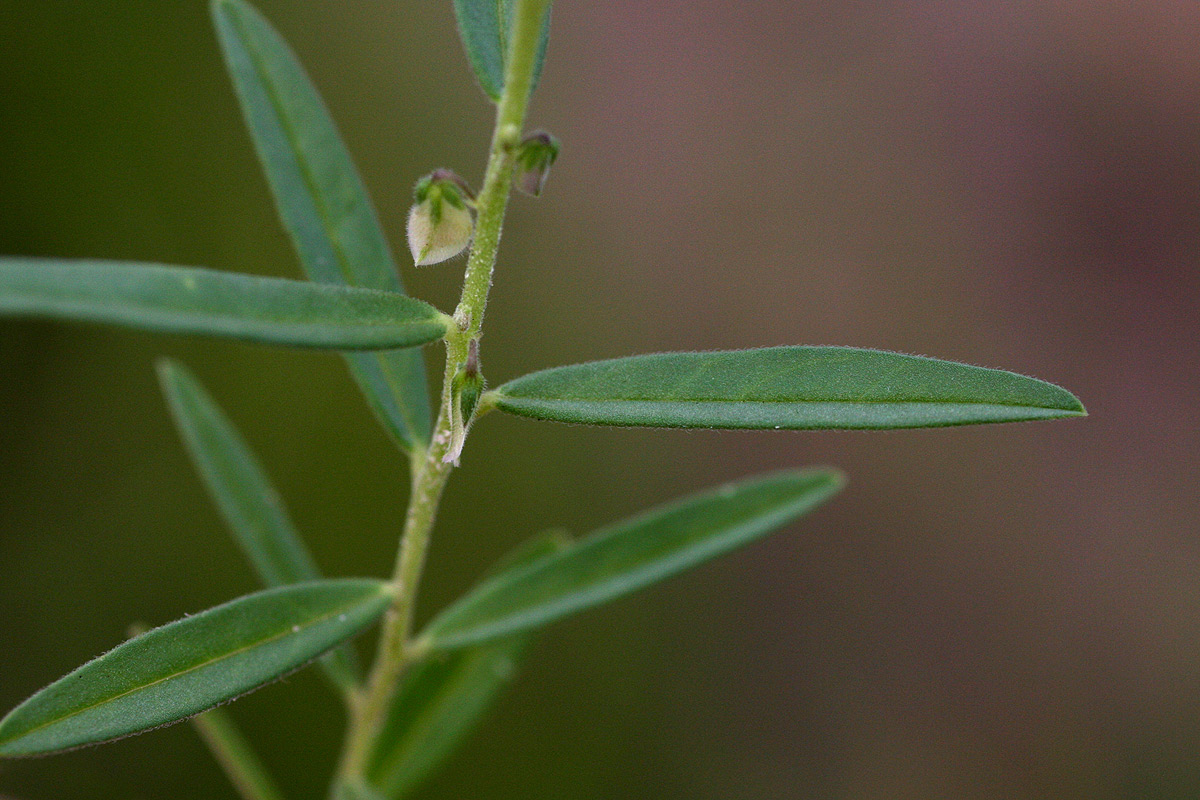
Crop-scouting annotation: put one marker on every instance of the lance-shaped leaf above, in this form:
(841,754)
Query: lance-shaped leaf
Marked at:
(782,387)
(442,697)
(484,26)
(629,555)
(191,300)
(254,510)
(321,200)
(192,664)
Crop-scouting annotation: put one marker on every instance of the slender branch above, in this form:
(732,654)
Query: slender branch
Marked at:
(431,468)
(493,197)
(231,750)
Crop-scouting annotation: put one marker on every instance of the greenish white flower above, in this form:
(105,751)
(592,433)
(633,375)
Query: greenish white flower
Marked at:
(440,222)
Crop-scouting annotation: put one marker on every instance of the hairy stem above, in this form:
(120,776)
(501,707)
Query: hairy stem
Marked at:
(431,468)
(493,197)
(233,753)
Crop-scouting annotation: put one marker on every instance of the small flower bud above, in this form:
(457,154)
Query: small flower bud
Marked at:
(534,158)
(440,224)
(465,390)
(470,389)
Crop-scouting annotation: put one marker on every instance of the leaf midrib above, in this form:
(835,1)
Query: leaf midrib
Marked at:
(502,396)
(167,311)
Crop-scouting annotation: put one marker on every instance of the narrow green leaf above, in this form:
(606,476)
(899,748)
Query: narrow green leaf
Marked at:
(250,505)
(253,509)
(484,26)
(782,387)
(442,698)
(321,200)
(629,555)
(236,757)
(208,302)
(192,664)
(439,702)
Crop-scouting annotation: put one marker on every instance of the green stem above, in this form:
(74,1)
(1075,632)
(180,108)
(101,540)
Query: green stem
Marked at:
(246,772)
(431,468)
(506,136)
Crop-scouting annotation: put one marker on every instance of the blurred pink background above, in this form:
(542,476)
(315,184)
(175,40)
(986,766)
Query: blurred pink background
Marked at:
(996,612)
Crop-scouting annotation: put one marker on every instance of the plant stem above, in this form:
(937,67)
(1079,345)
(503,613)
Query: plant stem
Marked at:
(493,197)
(431,469)
(244,769)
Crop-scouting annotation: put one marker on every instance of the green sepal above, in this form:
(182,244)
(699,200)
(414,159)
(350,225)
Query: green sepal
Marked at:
(536,154)
(466,389)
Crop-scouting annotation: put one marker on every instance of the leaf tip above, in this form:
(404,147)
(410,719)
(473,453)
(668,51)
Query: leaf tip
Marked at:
(1065,403)
(810,486)
(215,7)
(5,741)
(834,477)
(167,368)
(1076,408)
(559,538)
(826,480)
(175,381)
(12,733)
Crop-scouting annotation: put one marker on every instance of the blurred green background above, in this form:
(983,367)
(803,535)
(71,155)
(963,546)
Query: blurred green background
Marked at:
(999,612)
